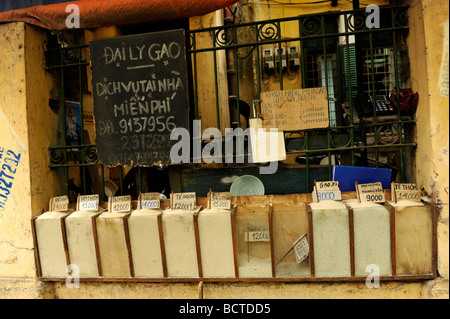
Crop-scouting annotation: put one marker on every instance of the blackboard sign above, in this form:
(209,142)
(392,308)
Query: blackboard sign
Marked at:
(140,95)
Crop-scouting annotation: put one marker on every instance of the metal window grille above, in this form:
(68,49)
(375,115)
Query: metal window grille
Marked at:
(329,56)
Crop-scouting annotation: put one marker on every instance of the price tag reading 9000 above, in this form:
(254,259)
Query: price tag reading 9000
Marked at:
(371,192)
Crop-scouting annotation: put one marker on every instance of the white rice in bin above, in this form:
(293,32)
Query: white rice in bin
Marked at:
(331,238)
(50,244)
(216,243)
(80,240)
(372,238)
(179,242)
(145,243)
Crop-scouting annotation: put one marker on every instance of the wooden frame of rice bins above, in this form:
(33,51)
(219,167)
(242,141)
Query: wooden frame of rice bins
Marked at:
(288,217)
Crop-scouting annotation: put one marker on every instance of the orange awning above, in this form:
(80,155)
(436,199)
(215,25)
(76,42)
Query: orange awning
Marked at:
(99,13)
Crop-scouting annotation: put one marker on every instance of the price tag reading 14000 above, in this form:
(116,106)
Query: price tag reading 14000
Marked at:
(59,203)
(404,191)
(149,200)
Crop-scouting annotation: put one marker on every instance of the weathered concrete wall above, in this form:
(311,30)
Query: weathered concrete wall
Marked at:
(27,125)
(426,49)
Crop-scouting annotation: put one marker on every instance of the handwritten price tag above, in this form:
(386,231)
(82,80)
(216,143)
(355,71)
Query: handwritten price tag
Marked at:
(327,186)
(405,191)
(301,248)
(120,204)
(371,192)
(260,235)
(184,201)
(328,190)
(59,204)
(220,200)
(149,200)
(88,202)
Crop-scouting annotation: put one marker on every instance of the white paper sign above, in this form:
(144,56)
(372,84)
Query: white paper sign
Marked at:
(405,191)
(267,144)
(59,204)
(88,202)
(301,249)
(370,192)
(258,235)
(328,190)
(149,201)
(120,204)
(184,201)
(220,200)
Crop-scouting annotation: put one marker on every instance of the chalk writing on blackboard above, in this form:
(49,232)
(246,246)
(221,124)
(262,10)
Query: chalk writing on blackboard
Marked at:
(140,96)
(299,109)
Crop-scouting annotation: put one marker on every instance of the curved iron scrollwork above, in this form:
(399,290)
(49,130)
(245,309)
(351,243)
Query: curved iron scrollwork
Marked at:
(191,41)
(401,17)
(311,26)
(71,56)
(223,37)
(388,134)
(90,155)
(268,31)
(341,138)
(295,141)
(56,157)
(356,21)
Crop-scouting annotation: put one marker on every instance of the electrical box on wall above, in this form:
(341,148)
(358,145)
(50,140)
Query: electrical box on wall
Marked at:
(293,58)
(282,52)
(268,64)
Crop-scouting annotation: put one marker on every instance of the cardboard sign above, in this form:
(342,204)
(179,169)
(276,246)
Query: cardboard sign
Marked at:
(405,191)
(219,200)
(371,192)
(184,201)
(301,249)
(259,235)
(299,109)
(149,201)
(59,204)
(327,190)
(119,204)
(88,202)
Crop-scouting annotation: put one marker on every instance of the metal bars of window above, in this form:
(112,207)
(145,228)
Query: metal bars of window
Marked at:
(378,141)
(321,37)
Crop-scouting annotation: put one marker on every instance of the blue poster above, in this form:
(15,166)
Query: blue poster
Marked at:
(73,123)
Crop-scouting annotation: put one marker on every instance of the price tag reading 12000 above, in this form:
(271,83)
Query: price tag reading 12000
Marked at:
(120,204)
(183,201)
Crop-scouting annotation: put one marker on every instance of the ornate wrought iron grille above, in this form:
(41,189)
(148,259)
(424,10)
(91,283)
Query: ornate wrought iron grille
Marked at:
(342,36)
